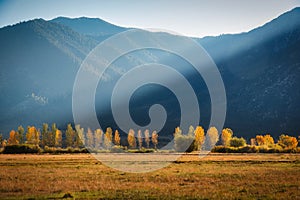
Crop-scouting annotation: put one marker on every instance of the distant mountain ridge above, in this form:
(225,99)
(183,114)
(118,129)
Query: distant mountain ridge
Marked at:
(94,27)
(261,72)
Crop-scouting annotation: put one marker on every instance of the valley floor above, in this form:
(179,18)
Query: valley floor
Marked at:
(216,176)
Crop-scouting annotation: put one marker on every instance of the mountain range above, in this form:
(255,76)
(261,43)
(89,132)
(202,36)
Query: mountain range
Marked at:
(39,60)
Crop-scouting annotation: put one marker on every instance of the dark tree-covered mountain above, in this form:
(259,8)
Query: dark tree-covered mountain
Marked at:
(261,71)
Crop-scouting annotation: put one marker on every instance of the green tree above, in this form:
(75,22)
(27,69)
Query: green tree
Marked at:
(21,132)
(45,135)
(51,136)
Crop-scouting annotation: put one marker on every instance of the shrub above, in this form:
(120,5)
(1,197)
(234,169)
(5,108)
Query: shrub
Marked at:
(117,149)
(20,149)
(220,149)
(248,149)
(142,150)
(237,142)
(244,149)
(53,150)
(184,143)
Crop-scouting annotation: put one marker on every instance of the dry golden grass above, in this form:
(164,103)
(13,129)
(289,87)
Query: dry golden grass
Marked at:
(216,176)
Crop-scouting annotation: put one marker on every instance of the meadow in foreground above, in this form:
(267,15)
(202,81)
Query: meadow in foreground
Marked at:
(216,176)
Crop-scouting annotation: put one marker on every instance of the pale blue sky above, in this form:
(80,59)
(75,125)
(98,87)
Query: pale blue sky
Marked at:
(189,17)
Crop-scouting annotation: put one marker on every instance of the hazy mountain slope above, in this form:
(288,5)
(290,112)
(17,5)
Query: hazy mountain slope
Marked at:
(261,72)
(39,61)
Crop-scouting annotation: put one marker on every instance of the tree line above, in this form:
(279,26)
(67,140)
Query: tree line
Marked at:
(77,137)
(194,140)
(198,140)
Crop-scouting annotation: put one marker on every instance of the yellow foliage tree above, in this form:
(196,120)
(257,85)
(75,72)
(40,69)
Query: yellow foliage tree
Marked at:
(131,139)
(264,140)
(13,137)
(58,138)
(79,136)
(98,138)
(260,140)
(108,138)
(287,142)
(32,135)
(269,141)
(199,137)
(154,139)
(117,138)
(70,136)
(226,136)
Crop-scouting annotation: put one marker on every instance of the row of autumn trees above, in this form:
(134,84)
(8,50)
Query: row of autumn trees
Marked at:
(196,140)
(78,138)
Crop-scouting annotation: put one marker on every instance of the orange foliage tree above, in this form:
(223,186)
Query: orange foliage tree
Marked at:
(117,138)
(131,139)
(154,139)
(13,137)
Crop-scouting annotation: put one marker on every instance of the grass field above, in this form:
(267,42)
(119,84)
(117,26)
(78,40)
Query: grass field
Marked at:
(216,176)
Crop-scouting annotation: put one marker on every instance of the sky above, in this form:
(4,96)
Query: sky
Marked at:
(196,18)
